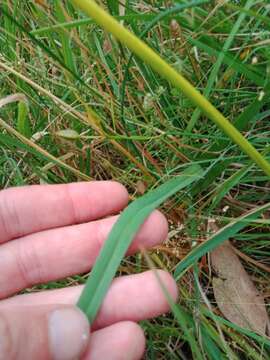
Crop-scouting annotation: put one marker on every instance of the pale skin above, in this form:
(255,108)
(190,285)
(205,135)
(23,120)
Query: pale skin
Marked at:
(51,232)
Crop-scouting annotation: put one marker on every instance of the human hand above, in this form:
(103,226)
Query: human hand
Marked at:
(54,231)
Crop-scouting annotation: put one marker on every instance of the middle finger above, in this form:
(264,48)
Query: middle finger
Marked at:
(61,252)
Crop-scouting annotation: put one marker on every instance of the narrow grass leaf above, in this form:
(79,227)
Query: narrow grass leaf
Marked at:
(113,5)
(215,70)
(184,319)
(23,124)
(161,16)
(247,119)
(175,78)
(249,114)
(228,184)
(229,60)
(121,237)
(263,340)
(32,147)
(217,239)
(48,51)
(65,40)
(210,346)
(251,13)
(129,18)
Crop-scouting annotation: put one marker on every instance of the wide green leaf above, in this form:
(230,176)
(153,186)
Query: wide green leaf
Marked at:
(121,237)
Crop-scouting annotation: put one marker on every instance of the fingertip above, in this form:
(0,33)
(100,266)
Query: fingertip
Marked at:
(120,189)
(160,220)
(135,332)
(132,339)
(116,191)
(153,231)
(95,199)
(122,340)
(68,333)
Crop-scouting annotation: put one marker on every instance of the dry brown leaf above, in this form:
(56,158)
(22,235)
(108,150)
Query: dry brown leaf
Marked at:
(236,295)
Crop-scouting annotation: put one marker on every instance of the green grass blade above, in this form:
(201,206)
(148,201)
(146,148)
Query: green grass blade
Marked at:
(210,346)
(251,13)
(104,61)
(214,73)
(248,115)
(218,238)
(261,339)
(47,50)
(28,145)
(231,61)
(65,40)
(86,21)
(10,51)
(246,120)
(170,74)
(228,184)
(113,5)
(185,321)
(23,125)
(161,16)
(121,237)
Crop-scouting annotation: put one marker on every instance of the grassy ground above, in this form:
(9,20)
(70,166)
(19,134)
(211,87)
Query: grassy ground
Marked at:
(92,114)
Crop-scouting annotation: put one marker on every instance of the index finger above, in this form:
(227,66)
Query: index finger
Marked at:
(30,209)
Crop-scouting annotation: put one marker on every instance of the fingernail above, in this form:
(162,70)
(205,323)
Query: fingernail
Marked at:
(68,333)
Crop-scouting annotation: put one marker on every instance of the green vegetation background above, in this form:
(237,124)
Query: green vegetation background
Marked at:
(91,113)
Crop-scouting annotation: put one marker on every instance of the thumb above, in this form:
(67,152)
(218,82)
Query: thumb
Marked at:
(52,332)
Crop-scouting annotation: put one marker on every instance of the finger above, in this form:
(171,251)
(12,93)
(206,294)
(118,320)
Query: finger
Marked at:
(54,333)
(121,341)
(55,254)
(132,297)
(35,208)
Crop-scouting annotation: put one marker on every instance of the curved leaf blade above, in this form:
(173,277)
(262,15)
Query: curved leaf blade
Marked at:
(121,237)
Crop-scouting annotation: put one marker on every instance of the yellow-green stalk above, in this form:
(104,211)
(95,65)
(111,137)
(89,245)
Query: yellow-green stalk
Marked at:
(150,57)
